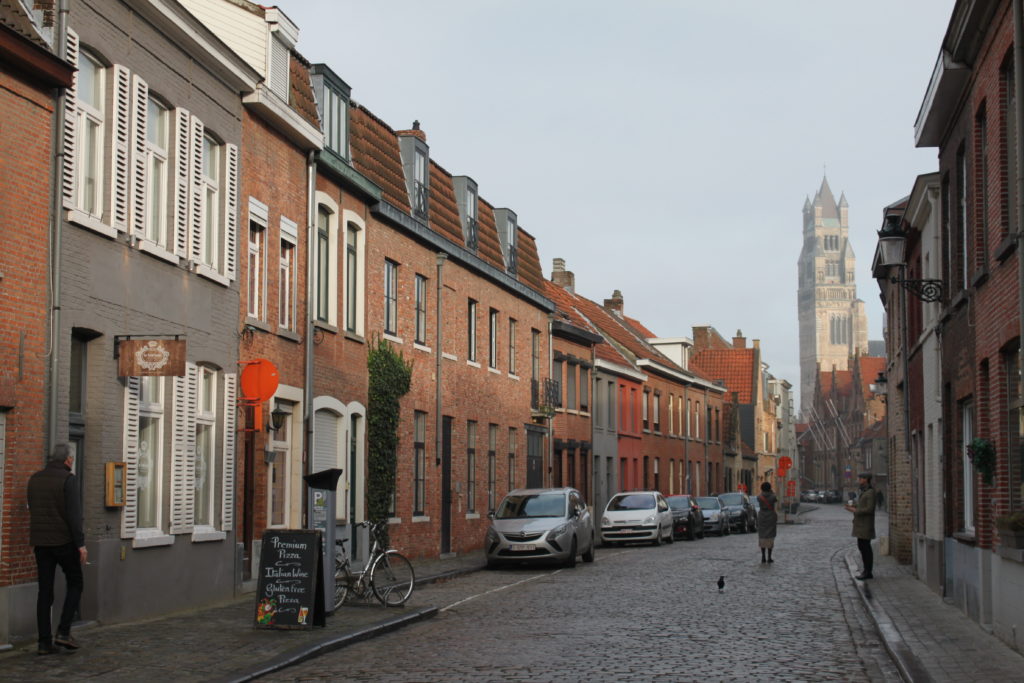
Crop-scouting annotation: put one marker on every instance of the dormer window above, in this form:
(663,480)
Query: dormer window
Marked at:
(466,193)
(332,99)
(283,37)
(508,228)
(412,145)
(419,188)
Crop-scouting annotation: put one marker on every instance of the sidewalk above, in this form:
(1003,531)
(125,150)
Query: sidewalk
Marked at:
(220,643)
(928,639)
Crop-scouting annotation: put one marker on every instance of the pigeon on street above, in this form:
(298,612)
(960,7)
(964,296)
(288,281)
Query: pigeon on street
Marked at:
(721,584)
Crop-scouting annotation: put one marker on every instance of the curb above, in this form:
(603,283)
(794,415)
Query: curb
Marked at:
(301,654)
(312,650)
(910,667)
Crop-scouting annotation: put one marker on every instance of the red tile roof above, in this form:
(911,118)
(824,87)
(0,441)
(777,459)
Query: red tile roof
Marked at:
(639,326)
(735,367)
(300,96)
(870,366)
(375,154)
(843,382)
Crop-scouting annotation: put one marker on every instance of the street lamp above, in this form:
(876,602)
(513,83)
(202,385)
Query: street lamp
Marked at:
(879,385)
(891,246)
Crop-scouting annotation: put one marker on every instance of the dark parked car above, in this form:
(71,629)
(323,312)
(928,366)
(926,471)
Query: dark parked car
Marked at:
(687,519)
(740,513)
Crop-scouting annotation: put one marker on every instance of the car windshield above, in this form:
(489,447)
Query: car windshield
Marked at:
(520,506)
(709,503)
(632,501)
(679,502)
(731,498)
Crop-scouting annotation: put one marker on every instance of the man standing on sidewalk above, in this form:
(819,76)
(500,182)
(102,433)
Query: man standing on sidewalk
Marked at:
(864,524)
(56,535)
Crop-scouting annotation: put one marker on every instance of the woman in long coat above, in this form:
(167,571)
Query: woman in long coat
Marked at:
(767,519)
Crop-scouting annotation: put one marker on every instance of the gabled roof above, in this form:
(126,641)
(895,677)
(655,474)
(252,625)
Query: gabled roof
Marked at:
(843,382)
(736,368)
(870,366)
(639,327)
(302,100)
(376,154)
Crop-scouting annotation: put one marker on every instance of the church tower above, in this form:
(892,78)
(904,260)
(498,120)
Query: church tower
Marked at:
(833,325)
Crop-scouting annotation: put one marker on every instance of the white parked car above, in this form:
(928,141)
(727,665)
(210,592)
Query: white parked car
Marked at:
(637,516)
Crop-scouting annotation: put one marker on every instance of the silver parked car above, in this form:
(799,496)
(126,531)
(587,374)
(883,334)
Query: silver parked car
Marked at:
(716,520)
(637,516)
(541,525)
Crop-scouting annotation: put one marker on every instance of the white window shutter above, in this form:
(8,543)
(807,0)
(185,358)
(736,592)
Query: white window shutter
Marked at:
(179,455)
(228,497)
(192,403)
(181,176)
(121,135)
(69,179)
(195,219)
(231,211)
(129,513)
(140,113)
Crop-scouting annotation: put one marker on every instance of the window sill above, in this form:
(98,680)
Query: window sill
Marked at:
(965,537)
(472,515)
(394,520)
(209,273)
(514,376)
(449,356)
(154,249)
(420,518)
(392,338)
(495,371)
(1005,248)
(325,326)
(289,335)
(204,534)
(257,324)
(472,363)
(421,347)
(84,220)
(149,538)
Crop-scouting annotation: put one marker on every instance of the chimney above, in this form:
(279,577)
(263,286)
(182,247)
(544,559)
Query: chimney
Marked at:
(414,131)
(615,303)
(739,341)
(562,277)
(757,343)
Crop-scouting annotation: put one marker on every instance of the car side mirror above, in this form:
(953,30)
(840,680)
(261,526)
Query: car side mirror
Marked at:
(490,515)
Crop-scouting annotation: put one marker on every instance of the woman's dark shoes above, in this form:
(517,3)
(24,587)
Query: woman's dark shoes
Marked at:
(67,641)
(770,559)
(863,577)
(47,649)
(763,560)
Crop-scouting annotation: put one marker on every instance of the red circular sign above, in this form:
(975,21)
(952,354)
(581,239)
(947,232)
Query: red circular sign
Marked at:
(259,380)
(785,462)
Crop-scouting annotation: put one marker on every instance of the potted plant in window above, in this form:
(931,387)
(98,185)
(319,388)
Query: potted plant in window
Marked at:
(1011,529)
(983,454)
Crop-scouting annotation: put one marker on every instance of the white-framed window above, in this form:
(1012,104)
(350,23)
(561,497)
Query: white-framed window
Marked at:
(207,449)
(472,225)
(326,263)
(90,91)
(471,331)
(967,427)
(149,478)
(210,253)
(492,339)
(286,285)
(390,297)
(335,110)
(256,280)
(471,466)
(512,346)
(279,470)
(511,458)
(510,256)
(656,417)
(353,277)
(419,495)
(421,309)
(420,184)
(157,144)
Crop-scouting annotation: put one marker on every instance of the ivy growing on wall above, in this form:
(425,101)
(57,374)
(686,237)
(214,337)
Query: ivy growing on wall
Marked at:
(390,377)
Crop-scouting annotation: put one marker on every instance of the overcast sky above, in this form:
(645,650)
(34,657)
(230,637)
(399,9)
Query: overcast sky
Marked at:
(662,147)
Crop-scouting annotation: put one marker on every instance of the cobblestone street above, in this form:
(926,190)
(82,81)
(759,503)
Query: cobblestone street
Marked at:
(642,613)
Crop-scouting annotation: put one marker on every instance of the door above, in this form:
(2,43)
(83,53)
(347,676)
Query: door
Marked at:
(534,459)
(446,485)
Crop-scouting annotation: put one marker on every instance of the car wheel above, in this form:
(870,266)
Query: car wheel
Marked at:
(658,538)
(691,533)
(671,538)
(725,529)
(570,562)
(589,555)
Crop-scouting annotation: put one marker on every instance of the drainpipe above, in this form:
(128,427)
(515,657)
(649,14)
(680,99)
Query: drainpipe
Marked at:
(708,492)
(56,230)
(441,257)
(311,261)
(1018,86)
(551,418)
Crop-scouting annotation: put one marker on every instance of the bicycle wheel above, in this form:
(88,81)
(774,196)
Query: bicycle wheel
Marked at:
(340,584)
(392,578)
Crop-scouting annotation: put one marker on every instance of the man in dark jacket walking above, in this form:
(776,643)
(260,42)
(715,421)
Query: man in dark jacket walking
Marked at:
(56,534)
(864,524)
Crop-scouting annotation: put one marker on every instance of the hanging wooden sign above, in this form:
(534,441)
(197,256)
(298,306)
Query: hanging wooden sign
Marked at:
(151,358)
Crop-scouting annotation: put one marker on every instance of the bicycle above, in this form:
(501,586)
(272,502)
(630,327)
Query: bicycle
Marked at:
(388,575)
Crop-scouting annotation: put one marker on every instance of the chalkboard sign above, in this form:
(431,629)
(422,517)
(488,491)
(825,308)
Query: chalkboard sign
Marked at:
(290,591)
